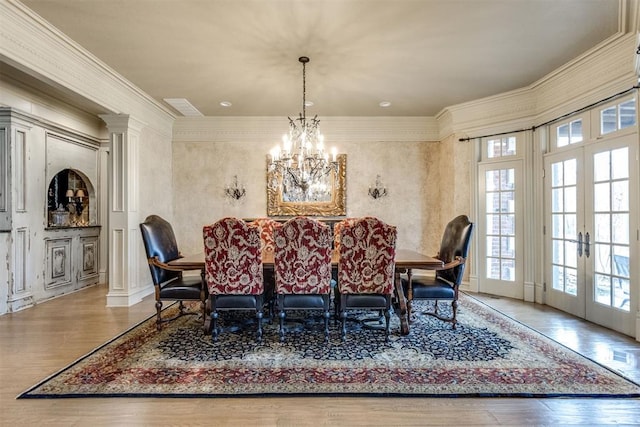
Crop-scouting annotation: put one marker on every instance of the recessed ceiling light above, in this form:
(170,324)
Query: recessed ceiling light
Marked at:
(183,106)
(226,104)
(308,103)
(385,104)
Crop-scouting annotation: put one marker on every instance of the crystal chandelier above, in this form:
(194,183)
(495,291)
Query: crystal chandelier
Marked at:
(302,162)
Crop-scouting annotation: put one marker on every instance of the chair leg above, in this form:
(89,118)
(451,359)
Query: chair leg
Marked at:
(343,316)
(214,324)
(158,317)
(387,318)
(259,319)
(327,316)
(281,315)
(454,308)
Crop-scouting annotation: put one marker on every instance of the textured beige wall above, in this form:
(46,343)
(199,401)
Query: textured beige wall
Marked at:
(201,170)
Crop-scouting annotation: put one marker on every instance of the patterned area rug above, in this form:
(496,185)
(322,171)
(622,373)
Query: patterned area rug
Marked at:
(488,354)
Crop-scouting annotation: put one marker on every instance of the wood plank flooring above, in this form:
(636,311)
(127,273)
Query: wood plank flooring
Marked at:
(37,342)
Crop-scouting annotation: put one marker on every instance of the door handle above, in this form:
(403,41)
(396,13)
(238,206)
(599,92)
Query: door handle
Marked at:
(579,242)
(587,244)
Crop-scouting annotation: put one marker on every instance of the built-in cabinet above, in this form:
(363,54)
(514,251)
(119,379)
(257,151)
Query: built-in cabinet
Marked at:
(46,171)
(71,255)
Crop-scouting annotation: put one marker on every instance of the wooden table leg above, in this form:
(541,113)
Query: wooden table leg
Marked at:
(402,305)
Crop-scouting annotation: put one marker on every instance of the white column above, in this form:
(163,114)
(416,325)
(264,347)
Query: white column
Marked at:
(123,231)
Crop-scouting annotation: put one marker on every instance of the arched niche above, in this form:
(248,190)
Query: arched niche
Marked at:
(71,200)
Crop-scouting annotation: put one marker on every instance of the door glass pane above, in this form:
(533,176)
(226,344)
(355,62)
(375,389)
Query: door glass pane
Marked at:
(570,229)
(602,228)
(557,174)
(570,172)
(509,224)
(602,258)
(493,268)
(601,197)
(558,252)
(557,200)
(620,227)
(557,276)
(557,226)
(620,162)
(620,196)
(601,166)
(492,180)
(570,199)
(571,281)
(602,289)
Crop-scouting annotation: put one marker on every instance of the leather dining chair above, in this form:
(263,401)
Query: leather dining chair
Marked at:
(366,268)
(302,261)
(233,270)
(444,285)
(169,282)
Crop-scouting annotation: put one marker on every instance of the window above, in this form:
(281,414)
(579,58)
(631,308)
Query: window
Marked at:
(501,147)
(569,133)
(617,117)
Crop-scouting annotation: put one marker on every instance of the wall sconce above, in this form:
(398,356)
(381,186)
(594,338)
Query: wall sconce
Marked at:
(76,199)
(379,190)
(79,197)
(234,191)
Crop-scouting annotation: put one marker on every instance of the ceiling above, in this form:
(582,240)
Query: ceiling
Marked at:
(419,55)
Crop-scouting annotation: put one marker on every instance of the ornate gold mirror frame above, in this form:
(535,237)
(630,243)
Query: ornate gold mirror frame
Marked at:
(335,205)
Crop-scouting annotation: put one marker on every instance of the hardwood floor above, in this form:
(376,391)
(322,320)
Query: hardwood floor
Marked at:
(37,342)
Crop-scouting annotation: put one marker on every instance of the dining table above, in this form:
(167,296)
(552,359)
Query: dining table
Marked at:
(405,261)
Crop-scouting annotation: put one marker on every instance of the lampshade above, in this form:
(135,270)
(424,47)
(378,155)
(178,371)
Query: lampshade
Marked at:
(80,193)
(69,193)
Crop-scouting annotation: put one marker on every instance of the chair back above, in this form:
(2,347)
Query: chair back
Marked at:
(266,227)
(233,258)
(367,257)
(302,257)
(455,243)
(160,241)
(337,228)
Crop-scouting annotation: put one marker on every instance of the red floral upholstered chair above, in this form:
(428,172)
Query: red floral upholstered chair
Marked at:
(366,268)
(302,261)
(444,285)
(170,284)
(337,228)
(266,227)
(233,269)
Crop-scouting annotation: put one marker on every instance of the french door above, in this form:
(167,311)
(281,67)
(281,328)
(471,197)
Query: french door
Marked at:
(501,225)
(591,229)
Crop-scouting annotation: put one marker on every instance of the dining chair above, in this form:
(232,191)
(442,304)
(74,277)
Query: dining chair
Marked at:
(169,282)
(267,226)
(366,268)
(302,261)
(444,285)
(233,270)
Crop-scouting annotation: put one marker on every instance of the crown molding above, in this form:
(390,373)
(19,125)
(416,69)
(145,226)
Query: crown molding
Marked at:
(335,129)
(33,45)
(608,68)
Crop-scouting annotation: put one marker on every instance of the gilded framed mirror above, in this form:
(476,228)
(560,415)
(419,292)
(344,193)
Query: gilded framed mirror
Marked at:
(325,195)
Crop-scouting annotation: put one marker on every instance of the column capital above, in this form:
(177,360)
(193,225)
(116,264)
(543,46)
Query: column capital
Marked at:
(122,122)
